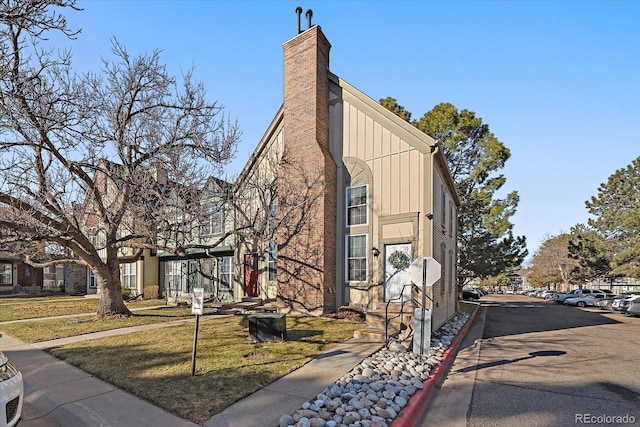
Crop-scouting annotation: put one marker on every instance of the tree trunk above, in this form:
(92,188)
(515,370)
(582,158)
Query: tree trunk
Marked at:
(111,302)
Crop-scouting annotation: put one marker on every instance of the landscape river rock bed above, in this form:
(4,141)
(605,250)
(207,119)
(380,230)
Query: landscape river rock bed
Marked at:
(375,391)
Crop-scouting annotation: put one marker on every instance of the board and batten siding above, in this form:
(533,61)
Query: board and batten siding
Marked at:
(396,166)
(405,183)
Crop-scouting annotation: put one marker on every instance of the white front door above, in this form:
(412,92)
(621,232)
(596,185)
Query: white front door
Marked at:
(395,279)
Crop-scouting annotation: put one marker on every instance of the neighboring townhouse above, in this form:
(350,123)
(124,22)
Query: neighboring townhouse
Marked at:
(139,277)
(16,275)
(342,190)
(200,220)
(211,269)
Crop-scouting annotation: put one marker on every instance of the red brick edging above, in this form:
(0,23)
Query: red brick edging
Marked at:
(409,415)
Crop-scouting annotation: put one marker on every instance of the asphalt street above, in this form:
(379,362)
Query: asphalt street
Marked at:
(532,363)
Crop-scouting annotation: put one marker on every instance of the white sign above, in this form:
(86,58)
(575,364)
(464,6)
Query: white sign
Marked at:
(198,301)
(433,271)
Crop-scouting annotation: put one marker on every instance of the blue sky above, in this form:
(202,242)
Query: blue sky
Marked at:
(557,81)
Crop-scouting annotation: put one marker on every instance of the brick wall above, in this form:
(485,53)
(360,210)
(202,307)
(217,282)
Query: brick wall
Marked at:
(307,180)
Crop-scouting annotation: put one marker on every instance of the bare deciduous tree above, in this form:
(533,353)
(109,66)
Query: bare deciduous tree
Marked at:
(552,263)
(95,168)
(274,216)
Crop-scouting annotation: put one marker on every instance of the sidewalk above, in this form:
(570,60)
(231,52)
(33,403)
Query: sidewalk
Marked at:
(58,394)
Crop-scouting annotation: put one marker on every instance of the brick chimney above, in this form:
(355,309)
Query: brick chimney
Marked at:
(306,253)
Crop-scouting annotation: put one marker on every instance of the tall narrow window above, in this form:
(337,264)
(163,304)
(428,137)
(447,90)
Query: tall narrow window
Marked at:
(443,272)
(93,283)
(357,258)
(225,273)
(129,275)
(452,223)
(443,204)
(357,205)
(273,261)
(452,272)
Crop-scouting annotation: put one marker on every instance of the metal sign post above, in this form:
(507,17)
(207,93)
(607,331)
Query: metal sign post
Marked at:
(196,308)
(424,303)
(425,271)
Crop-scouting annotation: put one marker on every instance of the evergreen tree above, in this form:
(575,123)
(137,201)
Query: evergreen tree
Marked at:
(616,219)
(475,157)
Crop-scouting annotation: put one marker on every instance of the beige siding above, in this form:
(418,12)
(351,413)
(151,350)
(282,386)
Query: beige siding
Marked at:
(251,199)
(395,164)
(444,237)
(406,184)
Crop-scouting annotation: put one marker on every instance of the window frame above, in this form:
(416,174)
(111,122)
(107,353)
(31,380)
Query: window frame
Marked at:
(225,269)
(444,271)
(348,205)
(173,276)
(8,272)
(452,223)
(348,258)
(272,263)
(213,222)
(443,207)
(93,283)
(128,271)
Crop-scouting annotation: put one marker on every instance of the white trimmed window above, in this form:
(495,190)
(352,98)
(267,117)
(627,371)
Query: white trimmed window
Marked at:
(357,205)
(357,258)
(212,223)
(452,223)
(225,273)
(128,275)
(5,274)
(443,204)
(443,275)
(173,275)
(93,283)
(452,271)
(273,261)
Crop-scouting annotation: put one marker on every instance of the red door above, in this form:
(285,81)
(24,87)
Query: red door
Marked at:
(251,275)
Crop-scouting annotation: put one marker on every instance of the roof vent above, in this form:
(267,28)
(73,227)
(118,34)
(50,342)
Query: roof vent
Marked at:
(309,14)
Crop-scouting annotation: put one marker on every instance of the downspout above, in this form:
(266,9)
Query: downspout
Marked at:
(433,151)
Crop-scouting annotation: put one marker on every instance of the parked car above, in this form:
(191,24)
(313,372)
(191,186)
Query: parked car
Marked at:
(561,296)
(606,302)
(548,294)
(622,305)
(11,393)
(469,295)
(585,300)
(634,308)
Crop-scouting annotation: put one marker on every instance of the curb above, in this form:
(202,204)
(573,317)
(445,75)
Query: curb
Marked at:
(410,414)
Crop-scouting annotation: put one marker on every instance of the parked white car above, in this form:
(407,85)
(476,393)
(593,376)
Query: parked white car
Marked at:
(11,393)
(622,305)
(634,308)
(585,300)
(548,294)
(561,296)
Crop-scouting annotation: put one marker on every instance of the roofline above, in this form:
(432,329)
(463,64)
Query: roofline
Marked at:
(266,138)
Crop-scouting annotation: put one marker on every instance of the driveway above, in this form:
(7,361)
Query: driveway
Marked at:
(543,364)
